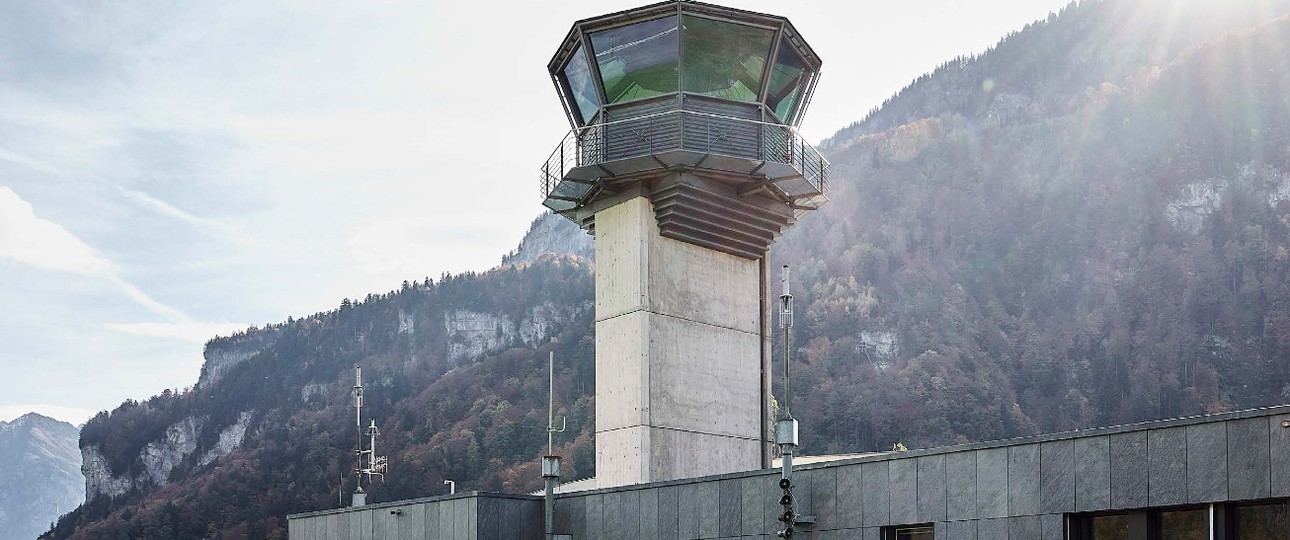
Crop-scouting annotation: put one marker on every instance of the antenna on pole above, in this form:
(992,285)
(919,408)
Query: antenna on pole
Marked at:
(551,430)
(786,426)
(551,462)
(360,498)
(375,465)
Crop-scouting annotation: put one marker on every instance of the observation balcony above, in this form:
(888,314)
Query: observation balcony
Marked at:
(691,132)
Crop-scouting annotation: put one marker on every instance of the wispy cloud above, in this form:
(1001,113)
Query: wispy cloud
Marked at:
(30,239)
(28,161)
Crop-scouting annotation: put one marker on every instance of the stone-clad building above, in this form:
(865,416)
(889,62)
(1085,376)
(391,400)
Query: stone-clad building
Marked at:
(1225,477)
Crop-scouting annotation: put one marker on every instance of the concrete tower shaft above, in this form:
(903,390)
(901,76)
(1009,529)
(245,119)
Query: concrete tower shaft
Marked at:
(685,163)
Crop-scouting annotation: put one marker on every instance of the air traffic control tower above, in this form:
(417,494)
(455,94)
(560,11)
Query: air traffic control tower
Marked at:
(685,164)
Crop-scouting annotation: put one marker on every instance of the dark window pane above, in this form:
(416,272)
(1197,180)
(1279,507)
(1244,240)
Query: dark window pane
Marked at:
(637,61)
(582,85)
(1185,525)
(787,82)
(723,59)
(1262,522)
(915,533)
(1110,527)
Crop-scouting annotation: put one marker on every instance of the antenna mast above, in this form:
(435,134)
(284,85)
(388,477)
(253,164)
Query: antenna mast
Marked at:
(358,419)
(551,462)
(375,465)
(786,426)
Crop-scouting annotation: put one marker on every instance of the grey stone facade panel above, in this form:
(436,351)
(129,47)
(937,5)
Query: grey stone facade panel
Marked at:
(956,530)
(1057,476)
(993,529)
(688,511)
(490,518)
(430,517)
(1052,527)
(904,491)
(1279,442)
(823,485)
(668,512)
(709,510)
(1023,480)
(877,494)
(992,482)
(850,503)
(1092,474)
(960,486)
(931,488)
(753,504)
(1129,466)
(622,515)
(648,500)
(1167,453)
(1207,462)
(1249,456)
(1023,527)
(595,516)
(730,498)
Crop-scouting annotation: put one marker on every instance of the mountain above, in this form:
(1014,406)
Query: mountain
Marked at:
(42,477)
(454,374)
(1088,224)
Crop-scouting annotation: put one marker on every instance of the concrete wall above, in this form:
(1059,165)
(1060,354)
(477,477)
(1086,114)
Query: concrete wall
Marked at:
(677,354)
(1009,490)
(471,516)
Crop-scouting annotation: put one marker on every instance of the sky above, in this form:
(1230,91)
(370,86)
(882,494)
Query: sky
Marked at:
(172,171)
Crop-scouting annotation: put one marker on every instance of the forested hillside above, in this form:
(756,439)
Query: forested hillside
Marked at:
(1087,225)
(982,273)
(454,374)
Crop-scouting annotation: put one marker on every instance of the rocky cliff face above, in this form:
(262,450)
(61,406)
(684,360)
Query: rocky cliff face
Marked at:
(472,335)
(159,458)
(553,234)
(41,478)
(222,354)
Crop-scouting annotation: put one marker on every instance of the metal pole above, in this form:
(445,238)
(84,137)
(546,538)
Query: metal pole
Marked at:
(550,405)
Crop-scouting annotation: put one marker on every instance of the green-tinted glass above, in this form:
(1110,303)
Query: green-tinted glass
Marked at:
(581,83)
(637,61)
(1185,524)
(723,59)
(787,82)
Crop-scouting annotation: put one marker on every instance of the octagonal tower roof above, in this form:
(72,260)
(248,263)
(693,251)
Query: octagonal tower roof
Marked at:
(684,48)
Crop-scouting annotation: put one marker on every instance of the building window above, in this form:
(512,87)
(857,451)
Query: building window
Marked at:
(1261,521)
(1190,524)
(909,532)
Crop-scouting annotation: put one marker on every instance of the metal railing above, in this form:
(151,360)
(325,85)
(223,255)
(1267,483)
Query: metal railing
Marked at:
(685,130)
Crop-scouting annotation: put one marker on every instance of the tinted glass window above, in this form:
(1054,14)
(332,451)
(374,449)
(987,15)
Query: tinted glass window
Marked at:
(1185,525)
(1262,522)
(582,85)
(1110,527)
(915,533)
(637,61)
(723,59)
(787,82)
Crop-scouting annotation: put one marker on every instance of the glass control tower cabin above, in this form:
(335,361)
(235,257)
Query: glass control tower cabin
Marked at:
(685,163)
